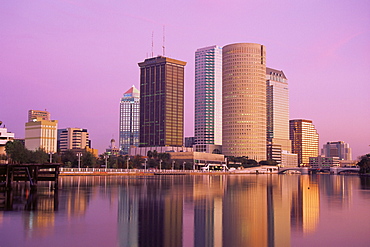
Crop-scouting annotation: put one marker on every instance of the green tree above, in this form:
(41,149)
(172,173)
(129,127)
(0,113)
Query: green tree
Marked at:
(364,164)
(152,163)
(155,154)
(39,156)
(17,152)
(69,158)
(268,163)
(166,160)
(137,161)
(245,162)
(88,159)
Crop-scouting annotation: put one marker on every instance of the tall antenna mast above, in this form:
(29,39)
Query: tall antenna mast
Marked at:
(163,47)
(152,43)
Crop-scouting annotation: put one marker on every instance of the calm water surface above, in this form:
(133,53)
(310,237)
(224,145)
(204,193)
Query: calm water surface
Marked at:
(233,210)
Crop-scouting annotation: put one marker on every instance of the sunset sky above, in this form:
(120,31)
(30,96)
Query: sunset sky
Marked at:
(76,58)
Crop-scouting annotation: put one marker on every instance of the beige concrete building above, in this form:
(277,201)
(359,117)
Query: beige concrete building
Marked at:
(34,114)
(41,134)
(244,100)
(288,159)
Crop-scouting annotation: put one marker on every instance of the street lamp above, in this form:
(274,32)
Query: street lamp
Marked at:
(106,161)
(79,160)
(145,160)
(173,164)
(128,159)
(183,165)
(51,157)
(160,165)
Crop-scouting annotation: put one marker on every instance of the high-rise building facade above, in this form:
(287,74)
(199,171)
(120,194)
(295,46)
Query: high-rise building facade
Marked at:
(277,114)
(73,138)
(41,132)
(244,100)
(129,120)
(337,149)
(34,114)
(161,102)
(305,140)
(208,98)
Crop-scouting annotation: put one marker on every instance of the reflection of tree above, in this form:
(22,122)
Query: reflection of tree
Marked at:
(365,182)
(364,164)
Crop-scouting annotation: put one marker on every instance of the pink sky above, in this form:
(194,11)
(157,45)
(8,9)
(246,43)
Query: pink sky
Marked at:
(77,58)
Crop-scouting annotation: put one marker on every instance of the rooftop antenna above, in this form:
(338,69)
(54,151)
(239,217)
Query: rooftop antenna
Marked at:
(163,47)
(152,44)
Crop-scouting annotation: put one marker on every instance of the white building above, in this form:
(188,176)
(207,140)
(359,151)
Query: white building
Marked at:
(5,136)
(208,99)
(73,138)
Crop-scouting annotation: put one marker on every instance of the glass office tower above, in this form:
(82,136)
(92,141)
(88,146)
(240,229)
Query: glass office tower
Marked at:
(129,120)
(277,114)
(208,99)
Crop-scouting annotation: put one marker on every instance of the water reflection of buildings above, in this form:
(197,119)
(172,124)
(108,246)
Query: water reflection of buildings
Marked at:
(234,210)
(219,211)
(208,207)
(306,205)
(339,190)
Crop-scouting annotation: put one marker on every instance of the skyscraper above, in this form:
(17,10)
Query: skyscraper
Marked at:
(129,120)
(305,140)
(161,102)
(208,98)
(277,114)
(244,100)
(40,132)
(338,149)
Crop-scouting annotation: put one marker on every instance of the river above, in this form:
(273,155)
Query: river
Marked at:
(186,210)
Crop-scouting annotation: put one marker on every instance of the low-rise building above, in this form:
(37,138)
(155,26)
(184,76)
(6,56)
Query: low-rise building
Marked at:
(73,138)
(288,159)
(321,162)
(5,136)
(143,151)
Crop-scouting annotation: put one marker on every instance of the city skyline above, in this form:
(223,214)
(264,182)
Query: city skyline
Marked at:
(71,57)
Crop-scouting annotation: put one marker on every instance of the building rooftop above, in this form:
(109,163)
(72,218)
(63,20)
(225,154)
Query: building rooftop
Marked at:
(275,72)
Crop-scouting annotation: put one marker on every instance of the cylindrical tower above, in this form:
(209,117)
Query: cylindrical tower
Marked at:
(244,100)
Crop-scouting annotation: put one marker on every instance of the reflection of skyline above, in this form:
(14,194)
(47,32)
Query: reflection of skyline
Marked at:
(305,207)
(239,210)
(338,189)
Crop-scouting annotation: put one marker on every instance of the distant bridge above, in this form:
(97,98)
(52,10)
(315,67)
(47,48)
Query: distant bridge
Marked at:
(307,170)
